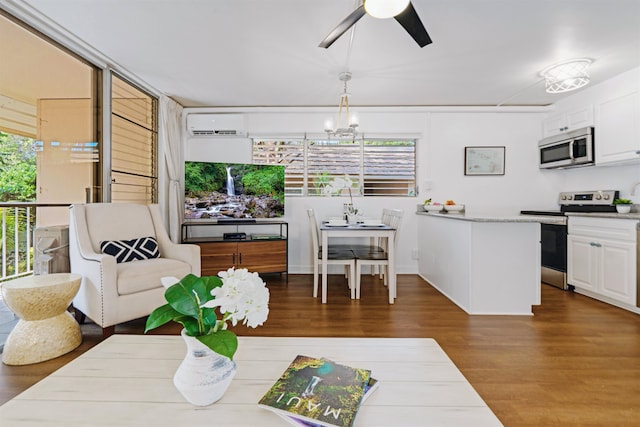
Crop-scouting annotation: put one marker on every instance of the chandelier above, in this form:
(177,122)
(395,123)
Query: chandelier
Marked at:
(566,76)
(347,123)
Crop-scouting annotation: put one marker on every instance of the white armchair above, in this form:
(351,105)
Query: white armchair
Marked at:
(113,292)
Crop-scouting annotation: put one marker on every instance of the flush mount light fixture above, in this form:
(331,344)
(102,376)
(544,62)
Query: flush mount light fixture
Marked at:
(384,9)
(566,76)
(345,117)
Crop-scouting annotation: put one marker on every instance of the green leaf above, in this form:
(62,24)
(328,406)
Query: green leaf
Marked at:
(222,342)
(190,325)
(181,297)
(209,316)
(184,305)
(160,316)
(211,282)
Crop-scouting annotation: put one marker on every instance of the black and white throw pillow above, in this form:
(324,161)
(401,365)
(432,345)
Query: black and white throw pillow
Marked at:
(131,250)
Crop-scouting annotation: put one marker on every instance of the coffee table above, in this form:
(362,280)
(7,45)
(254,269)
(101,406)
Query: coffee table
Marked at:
(127,381)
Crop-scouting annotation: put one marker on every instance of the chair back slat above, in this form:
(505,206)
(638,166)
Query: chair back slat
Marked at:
(314,231)
(392,218)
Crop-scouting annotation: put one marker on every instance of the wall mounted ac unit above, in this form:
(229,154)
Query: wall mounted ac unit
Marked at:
(216,125)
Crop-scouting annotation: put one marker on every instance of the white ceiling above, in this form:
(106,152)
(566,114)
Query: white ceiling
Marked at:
(265,52)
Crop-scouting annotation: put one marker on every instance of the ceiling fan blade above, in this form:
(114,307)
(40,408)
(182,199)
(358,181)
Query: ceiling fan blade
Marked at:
(343,26)
(411,22)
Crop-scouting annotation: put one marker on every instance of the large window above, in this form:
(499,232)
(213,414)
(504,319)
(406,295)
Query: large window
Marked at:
(51,96)
(377,167)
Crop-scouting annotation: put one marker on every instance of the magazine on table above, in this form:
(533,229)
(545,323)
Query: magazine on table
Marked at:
(319,392)
(371,386)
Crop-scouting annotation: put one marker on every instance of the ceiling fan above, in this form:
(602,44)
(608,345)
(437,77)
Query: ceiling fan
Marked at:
(401,10)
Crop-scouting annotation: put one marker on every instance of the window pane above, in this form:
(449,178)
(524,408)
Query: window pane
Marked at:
(132,189)
(389,168)
(327,160)
(50,95)
(132,148)
(376,167)
(130,102)
(289,153)
(133,144)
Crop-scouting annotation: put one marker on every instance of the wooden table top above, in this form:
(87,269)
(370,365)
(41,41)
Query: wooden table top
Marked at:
(127,381)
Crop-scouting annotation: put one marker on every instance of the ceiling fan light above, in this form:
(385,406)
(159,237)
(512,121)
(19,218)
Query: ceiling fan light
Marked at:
(566,76)
(383,9)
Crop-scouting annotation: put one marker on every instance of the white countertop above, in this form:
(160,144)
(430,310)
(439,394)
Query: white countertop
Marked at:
(496,217)
(631,215)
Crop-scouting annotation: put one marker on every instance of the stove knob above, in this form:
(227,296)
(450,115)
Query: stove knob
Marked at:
(564,197)
(606,197)
(598,197)
(569,197)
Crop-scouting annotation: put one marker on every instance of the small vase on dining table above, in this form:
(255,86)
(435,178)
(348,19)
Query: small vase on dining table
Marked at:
(204,375)
(351,213)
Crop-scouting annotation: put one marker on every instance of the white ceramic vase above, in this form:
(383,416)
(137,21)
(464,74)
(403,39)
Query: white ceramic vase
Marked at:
(204,375)
(623,208)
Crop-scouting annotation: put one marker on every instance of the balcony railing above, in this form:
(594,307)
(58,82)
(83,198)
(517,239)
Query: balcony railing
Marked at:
(18,221)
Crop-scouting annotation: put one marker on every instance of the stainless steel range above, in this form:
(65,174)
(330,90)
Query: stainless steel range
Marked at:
(554,229)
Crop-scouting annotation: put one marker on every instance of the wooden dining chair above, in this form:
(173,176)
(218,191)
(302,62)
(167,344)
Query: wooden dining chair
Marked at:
(339,255)
(376,255)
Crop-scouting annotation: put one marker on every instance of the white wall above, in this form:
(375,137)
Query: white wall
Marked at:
(522,186)
(442,134)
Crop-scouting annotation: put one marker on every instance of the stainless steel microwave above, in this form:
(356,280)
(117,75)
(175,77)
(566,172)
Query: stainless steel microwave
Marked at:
(567,150)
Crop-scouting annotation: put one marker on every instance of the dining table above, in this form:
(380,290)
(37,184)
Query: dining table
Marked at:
(331,231)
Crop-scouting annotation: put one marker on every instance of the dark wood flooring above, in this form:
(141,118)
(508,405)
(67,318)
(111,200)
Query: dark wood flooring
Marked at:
(576,362)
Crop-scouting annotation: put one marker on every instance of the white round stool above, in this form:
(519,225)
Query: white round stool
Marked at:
(46,329)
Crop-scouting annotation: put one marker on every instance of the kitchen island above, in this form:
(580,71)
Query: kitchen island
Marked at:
(484,264)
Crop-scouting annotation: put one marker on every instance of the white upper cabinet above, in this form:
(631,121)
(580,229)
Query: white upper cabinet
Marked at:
(617,133)
(566,121)
(613,108)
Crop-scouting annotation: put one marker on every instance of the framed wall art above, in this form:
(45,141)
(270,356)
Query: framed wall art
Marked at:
(484,160)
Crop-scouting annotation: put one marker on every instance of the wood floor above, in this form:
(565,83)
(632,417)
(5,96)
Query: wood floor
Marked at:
(575,363)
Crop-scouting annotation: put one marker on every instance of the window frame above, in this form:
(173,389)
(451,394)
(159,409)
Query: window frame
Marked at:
(362,187)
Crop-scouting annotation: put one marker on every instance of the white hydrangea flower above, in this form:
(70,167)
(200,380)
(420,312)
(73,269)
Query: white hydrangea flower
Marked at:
(242,296)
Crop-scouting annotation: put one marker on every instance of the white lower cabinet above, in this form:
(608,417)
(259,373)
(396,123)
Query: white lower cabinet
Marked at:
(601,258)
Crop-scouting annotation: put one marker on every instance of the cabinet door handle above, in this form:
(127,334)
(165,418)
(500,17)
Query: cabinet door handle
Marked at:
(233,259)
(596,244)
(240,256)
